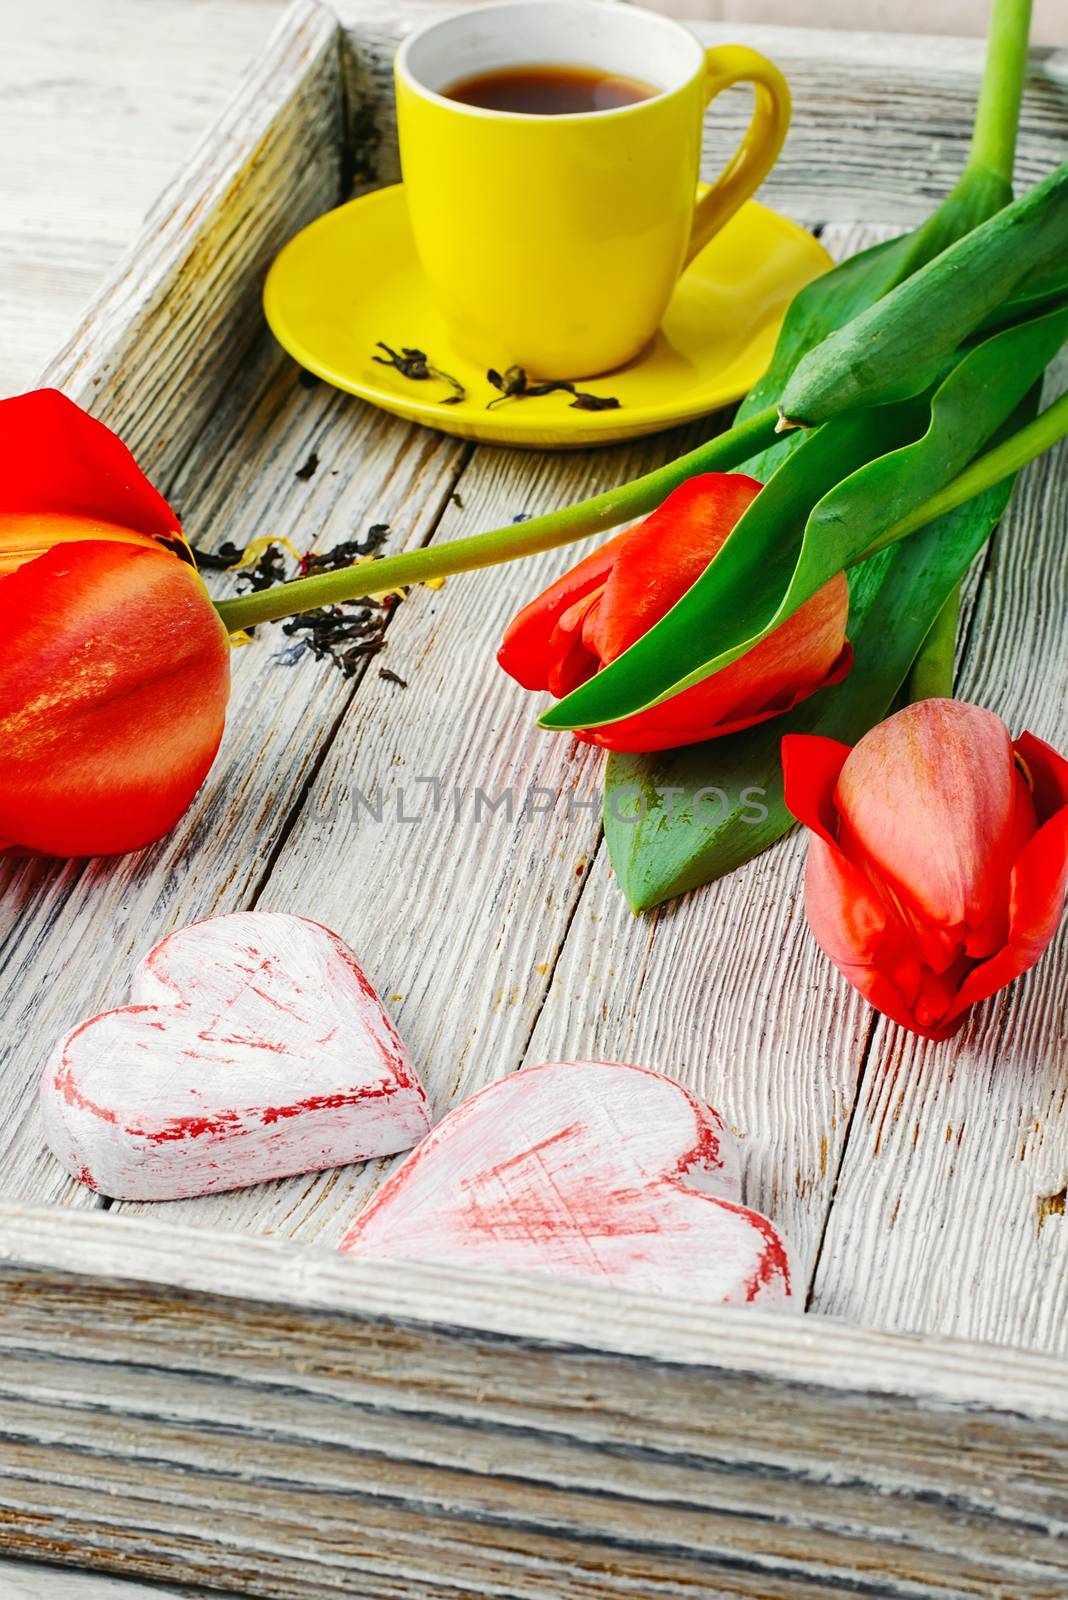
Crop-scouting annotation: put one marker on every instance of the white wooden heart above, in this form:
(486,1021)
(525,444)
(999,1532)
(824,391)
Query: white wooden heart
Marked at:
(588,1170)
(253,1048)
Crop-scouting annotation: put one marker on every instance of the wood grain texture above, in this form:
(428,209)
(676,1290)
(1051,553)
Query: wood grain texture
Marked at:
(588,1170)
(434,893)
(880,127)
(691,991)
(99,104)
(433,1434)
(26,1580)
(161,342)
(950,1210)
(326,1428)
(252,1048)
(56,963)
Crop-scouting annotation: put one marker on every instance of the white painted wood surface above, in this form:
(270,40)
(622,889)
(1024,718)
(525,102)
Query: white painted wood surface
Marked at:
(951,1196)
(522,977)
(31,1580)
(99,105)
(498,940)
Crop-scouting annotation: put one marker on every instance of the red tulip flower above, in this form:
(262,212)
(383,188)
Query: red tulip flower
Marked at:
(938,857)
(602,606)
(114,665)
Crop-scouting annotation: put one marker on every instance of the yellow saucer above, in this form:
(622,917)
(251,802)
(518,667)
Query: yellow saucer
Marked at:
(352,278)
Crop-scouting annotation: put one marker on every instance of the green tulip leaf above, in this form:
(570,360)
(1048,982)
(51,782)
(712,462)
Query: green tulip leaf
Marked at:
(898,347)
(683,818)
(829,302)
(738,596)
(841,490)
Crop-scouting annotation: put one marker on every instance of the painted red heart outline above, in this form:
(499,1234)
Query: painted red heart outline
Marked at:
(680,1229)
(129,1100)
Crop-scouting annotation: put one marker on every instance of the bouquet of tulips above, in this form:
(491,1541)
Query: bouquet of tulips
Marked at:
(793,579)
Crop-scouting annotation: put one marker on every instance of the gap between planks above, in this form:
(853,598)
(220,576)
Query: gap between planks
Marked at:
(447,920)
(748,1069)
(454,1022)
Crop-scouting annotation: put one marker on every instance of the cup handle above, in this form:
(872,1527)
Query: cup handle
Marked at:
(754,158)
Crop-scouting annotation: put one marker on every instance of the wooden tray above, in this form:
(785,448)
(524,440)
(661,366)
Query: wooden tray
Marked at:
(182,1400)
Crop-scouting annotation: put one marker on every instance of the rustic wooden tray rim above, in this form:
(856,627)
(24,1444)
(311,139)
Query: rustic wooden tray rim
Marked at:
(43,1242)
(92,368)
(156,349)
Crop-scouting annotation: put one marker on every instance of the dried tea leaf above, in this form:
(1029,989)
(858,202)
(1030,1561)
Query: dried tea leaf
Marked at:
(515,385)
(594,402)
(415,364)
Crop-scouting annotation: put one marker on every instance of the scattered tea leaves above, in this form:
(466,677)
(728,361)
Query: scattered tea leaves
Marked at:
(415,364)
(392,677)
(343,634)
(268,569)
(594,402)
(345,553)
(221,560)
(344,637)
(309,469)
(514,384)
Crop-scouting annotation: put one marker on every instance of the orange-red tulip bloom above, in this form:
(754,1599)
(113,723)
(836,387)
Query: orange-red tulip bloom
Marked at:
(114,665)
(602,606)
(938,857)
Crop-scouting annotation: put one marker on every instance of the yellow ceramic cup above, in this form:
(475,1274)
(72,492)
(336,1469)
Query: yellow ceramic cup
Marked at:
(553,242)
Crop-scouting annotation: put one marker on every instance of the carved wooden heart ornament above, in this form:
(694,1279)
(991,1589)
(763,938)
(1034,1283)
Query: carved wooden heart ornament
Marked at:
(253,1048)
(582,1169)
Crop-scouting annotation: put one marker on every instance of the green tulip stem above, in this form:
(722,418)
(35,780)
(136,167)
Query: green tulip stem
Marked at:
(998,113)
(546,532)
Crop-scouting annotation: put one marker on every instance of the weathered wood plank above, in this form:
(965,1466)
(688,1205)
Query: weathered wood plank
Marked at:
(99,103)
(689,991)
(467,1014)
(69,934)
(72,933)
(456,914)
(714,990)
(881,122)
(333,1424)
(331,1428)
(950,1212)
(161,343)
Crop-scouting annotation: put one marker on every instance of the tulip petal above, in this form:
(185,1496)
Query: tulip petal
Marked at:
(114,676)
(532,645)
(599,608)
(876,941)
(54,457)
(855,930)
(24,536)
(928,796)
(811,765)
(1047,775)
(663,556)
(712,715)
(1038,880)
(855,925)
